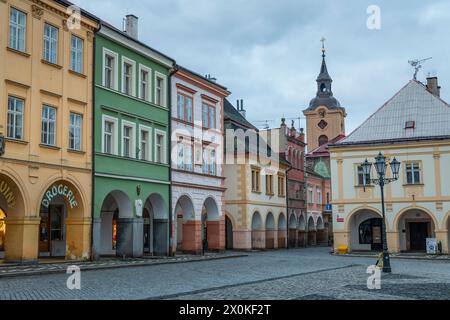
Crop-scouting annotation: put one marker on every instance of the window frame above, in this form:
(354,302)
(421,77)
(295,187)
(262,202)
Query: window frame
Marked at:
(360,172)
(209,108)
(79,51)
(115,69)
(14,115)
(164,89)
(16,45)
(126,60)
(420,171)
(114,135)
(149,142)
(51,41)
(48,120)
(164,149)
(149,82)
(256,179)
(77,114)
(132,125)
(185,109)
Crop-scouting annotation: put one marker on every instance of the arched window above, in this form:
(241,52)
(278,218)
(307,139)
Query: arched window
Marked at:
(323,139)
(323,87)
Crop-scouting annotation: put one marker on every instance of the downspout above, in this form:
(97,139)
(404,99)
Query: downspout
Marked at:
(93,142)
(287,203)
(172,72)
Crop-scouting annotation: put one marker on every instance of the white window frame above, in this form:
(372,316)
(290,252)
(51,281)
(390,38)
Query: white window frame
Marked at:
(133,75)
(13,115)
(18,28)
(81,130)
(115,75)
(149,142)
(51,42)
(164,89)
(164,151)
(79,55)
(115,135)
(149,93)
(133,138)
(48,121)
(319,196)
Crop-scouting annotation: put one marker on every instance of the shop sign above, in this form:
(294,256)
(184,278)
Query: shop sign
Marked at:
(60,190)
(139,207)
(7,192)
(339,219)
(431,245)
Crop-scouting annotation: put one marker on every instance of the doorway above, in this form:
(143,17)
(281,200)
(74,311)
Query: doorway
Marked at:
(2,232)
(147,233)
(52,232)
(228,233)
(418,232)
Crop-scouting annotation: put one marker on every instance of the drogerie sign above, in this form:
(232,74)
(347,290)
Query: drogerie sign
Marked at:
(59,190)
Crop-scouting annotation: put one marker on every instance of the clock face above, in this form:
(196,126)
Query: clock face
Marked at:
(322,124)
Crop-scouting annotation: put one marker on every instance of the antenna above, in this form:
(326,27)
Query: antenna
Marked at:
(417,65)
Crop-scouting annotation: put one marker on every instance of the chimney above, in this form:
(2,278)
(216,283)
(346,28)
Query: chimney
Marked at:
(432,86)
(131,26)
(240,107)
(302,135)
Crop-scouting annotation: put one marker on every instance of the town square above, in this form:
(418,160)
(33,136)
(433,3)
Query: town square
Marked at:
(272,150)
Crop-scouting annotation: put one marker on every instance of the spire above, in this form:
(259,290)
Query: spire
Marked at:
(324,80)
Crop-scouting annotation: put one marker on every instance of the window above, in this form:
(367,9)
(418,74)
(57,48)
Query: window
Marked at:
(256,180)
(75,131)
(128,81)
(17,29)
(328,198)
(76,54)
(144,143)
(144,83)
(209,161)
(413,173)
(281,186)
(109,130)
(184,108)
(319,196)
(180,162)
(212,163)
(310,196)
(15,118)
(128,139)
(269,184)
(323,140)
(48,135)
(160,147)
(160,90)
(110,69)
(50,43)
(185,156)
(208,116)
(363,179)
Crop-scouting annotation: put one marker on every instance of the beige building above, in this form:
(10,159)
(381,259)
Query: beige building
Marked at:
(255,196)
(45,119)
(414,127)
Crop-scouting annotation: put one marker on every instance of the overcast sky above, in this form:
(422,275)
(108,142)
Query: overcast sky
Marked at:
(267,52)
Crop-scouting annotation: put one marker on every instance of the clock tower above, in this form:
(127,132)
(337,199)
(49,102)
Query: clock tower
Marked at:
(325,118)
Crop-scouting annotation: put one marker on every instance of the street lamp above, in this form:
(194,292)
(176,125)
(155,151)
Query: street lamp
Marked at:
(380,166)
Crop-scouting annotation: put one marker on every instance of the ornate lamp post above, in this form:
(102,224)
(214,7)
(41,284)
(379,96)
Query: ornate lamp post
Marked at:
(380,166)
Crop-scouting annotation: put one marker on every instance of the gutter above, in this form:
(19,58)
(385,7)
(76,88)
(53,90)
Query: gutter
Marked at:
(169,85)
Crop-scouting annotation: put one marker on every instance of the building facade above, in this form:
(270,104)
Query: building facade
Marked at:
(414,127)
(198,181)
(131,141)
(255,196)
(46,100)
(293,145)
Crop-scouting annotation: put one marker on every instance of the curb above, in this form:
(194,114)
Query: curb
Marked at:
(393,257)
(103,267)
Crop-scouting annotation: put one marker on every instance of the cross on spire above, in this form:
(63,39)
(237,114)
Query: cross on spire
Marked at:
(323,46)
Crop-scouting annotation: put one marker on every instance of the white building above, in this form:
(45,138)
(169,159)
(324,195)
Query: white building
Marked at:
(414,127)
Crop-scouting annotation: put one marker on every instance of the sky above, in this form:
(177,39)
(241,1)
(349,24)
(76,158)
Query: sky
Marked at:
(267,52)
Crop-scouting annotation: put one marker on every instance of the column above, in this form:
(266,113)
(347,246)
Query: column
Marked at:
(341,238)
(22,239)
(192,237)
(442,236)
(78,235)
(392,241)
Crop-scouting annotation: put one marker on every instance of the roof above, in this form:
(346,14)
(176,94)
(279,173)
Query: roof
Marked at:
(233,115)
(322,151)
(83,12)
(431,116)
(202,77)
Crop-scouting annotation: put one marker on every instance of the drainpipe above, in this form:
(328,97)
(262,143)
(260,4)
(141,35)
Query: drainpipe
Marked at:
(287,204)
(93,142)
(172,72)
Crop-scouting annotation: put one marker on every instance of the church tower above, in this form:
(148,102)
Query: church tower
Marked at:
(325,118)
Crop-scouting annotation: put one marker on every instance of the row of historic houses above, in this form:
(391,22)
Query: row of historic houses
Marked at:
(112,149)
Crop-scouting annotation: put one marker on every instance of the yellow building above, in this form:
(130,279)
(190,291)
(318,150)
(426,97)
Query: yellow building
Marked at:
(414,127)
(46,61)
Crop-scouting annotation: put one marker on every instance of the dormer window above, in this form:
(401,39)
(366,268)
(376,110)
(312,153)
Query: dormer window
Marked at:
(410,124)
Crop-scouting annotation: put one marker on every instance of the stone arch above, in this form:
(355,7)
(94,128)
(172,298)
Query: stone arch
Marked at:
(446,222)
(360,233)
(156,225)
(311,224)
(355,211)
(258,234)
(270,231)
(292,232)
(319,223)
(413,226)
(211,225)
(282,230)
(229,227)
(302,223)
(281,221)
(116,205)
(187,228)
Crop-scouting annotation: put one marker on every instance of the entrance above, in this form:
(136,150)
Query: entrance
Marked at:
(52,231)
(418,232)
(228,233)
(370,233)
(147,233)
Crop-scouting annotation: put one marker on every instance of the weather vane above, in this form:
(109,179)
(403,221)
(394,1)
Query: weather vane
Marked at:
(323,45)
(417,65)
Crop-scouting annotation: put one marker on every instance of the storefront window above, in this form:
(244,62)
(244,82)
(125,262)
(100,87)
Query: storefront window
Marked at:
(2,230)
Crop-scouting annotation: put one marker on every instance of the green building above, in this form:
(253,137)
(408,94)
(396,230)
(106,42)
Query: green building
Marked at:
(131,145)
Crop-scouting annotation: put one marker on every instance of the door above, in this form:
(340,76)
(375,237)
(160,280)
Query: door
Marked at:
(376,238)
(418,232)
(51,231)
(228,233)
(146,231)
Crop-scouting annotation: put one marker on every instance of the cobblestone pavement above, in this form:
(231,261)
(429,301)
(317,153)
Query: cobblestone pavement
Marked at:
(286,274)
